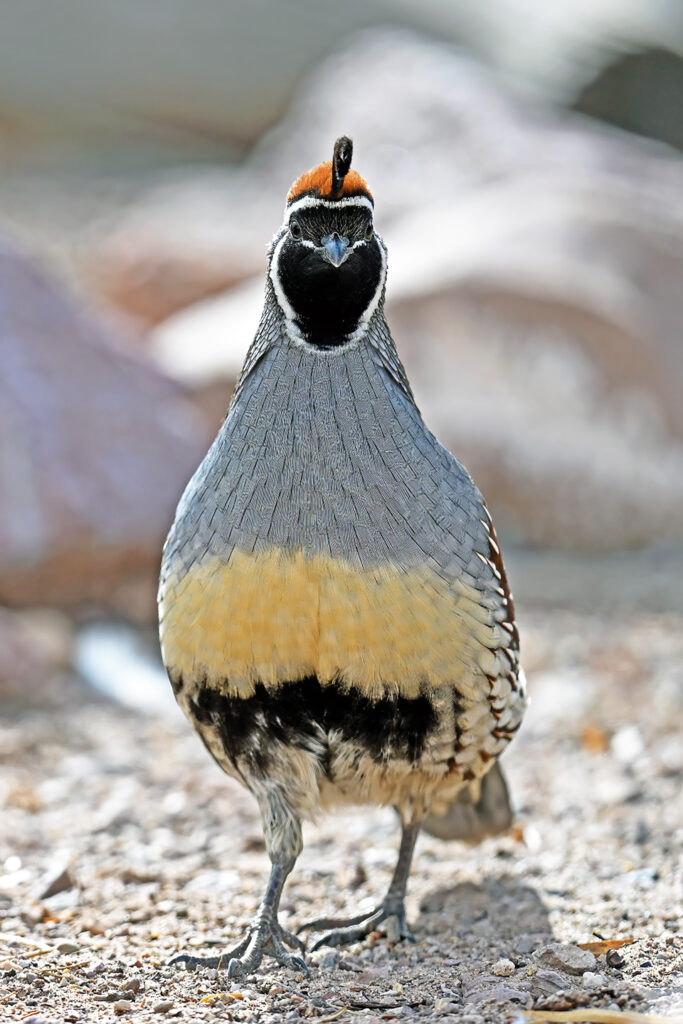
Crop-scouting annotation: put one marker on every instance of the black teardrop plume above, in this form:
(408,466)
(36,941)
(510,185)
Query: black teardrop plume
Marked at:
(341,162)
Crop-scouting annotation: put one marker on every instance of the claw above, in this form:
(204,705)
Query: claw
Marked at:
(295,963)
(240,968)
(299,964)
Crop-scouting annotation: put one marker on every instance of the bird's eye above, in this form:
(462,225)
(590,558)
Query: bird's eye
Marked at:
(295,228)
(369,231)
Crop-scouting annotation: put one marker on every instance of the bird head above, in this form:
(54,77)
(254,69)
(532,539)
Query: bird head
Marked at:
(328,265)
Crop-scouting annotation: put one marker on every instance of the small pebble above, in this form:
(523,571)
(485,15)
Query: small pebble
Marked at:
(164,1006)
(67,947)
(330,960)
(56,880)
(500,993)
(615,959)
(547,982)
(33,915)
(592,979)
(122,1006)
(504,968)
(445,1006)
(349,963)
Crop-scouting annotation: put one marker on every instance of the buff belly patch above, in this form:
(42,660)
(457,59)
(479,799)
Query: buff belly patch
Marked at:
(278,616)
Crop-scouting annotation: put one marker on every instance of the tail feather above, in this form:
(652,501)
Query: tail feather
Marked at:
(482,809)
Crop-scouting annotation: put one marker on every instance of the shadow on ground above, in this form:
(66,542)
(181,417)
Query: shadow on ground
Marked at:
(500,906)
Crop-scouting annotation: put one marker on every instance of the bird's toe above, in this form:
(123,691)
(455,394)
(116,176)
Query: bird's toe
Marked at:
(191,962)
(291,940)
(391,913)
(265,939)
(342,936)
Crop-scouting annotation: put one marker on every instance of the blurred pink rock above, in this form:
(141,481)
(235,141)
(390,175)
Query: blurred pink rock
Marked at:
(95,448)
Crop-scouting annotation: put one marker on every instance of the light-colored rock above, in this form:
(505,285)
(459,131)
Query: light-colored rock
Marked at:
(445,1006)
(500,993)
(545,982)
(57,880)
(132,985)
(593,979)
(568,958)
(67,947)
(627,744)
(329,960)
(503,968)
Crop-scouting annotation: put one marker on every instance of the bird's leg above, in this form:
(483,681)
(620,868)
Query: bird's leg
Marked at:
(343,931)
(265,935)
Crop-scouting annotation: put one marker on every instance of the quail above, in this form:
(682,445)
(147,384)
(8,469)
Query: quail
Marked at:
(335,617)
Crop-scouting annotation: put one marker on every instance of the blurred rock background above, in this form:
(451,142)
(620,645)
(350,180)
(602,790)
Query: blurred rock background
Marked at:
(529,185)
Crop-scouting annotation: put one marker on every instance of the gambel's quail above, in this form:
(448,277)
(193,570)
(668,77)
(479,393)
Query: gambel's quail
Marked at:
(335,616)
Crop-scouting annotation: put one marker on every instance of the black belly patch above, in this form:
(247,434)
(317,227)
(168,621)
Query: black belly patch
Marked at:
(303,714)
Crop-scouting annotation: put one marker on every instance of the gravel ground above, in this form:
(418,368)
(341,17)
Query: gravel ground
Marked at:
(122,842)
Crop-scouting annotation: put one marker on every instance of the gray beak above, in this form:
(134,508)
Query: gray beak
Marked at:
(335,249)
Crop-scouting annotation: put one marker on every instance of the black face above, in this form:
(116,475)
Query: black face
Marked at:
(330,266)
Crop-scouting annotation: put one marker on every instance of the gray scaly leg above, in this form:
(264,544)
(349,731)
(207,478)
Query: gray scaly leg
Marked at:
(265,935)
(344,931)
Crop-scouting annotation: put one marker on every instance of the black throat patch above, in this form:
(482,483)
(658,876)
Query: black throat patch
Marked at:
(328,301)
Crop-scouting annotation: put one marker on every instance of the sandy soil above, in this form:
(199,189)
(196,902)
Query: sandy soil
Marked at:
(151,850)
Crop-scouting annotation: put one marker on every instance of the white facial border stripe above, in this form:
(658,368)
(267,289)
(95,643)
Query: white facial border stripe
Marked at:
(332,204)
(283,301)
(366,317)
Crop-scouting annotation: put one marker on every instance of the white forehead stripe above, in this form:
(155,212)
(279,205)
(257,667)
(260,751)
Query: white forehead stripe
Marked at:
(332,204)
